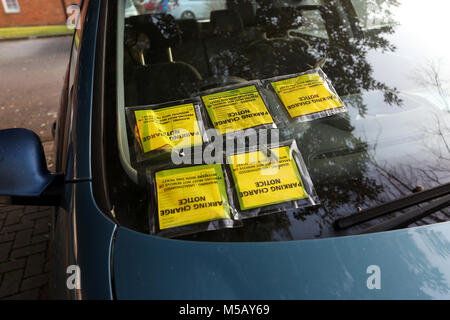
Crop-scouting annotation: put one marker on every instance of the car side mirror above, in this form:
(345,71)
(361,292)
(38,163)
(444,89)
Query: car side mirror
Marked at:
(24,177)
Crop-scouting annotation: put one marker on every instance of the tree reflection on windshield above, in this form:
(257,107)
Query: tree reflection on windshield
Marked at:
(338,161)
(347,51)
(375,153)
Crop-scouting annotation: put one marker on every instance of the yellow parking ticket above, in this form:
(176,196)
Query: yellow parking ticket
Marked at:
(261,182)
(167,127)
(191,195)
(306,94)
(237,109)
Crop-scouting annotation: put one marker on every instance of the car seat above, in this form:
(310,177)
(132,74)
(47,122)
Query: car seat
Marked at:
(225,46)
(278,53)
(153,79)
(192,48)
(159,78)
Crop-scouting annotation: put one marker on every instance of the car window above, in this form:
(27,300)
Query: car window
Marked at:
(386,61)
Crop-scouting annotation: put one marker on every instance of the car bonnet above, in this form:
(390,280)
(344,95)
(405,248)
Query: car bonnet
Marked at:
(404,264)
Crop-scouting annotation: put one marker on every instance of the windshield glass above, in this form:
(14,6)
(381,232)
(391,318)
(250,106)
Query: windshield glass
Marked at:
(387,61)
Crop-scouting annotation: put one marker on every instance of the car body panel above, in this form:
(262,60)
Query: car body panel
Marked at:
(83,239)
(82,105)
(413,264)
(94,234)
(201,9)
(82,234)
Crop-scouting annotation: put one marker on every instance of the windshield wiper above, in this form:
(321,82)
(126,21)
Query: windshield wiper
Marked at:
(393,206)
(409,217)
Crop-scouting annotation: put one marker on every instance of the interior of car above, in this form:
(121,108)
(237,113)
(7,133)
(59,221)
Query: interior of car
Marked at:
(191,56)
(166,59)
(161,58)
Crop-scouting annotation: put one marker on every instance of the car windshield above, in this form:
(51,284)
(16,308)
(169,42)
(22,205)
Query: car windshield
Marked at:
(386,59)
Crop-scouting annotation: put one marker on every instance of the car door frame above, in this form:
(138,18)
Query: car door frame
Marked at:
(83,230)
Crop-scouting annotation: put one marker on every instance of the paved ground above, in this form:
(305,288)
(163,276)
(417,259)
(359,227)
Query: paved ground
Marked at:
(31,75)
(31,79)
(24,243)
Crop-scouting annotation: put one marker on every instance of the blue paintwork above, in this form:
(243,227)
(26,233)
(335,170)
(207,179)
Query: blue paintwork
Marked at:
(83,234)
(22,163)
(62,246)
(81,137)
(93,239)
(91,232)
(414,264)
(83,237)
(94,231)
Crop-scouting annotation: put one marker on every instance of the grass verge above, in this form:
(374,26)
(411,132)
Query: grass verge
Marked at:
(34,31)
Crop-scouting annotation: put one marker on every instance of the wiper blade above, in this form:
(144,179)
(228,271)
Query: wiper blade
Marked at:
(409,217)
(392,206)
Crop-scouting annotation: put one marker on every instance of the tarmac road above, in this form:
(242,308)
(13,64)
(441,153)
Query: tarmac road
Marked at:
(31,80)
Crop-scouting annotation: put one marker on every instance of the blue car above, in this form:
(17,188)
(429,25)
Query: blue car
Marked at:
(374,166)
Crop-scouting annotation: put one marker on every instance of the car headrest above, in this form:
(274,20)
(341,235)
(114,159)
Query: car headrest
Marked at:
(130,35)
(226,21)
(247,13)
(161,82)
(189,29)
(161,29)
(276,20)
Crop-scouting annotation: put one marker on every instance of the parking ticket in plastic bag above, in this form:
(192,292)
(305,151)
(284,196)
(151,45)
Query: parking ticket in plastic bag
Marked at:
(190,199)
(271,179)
(237,107)
(306,96)
(159,128)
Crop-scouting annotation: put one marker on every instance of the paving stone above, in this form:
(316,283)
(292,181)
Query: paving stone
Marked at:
(35,265)
(13,217)
(47,267)
(8,208)
(37,215)
(18,227)
(12,265)
(30,209)
(40,238)
(41,226)
(34,282)
(24,252)
(5,249)
(26,295)
(23,238)
(44,292)
(29,250)
(5,237)
(48,209)
(10,283)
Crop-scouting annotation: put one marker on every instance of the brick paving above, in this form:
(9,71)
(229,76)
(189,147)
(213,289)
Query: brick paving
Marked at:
(24,251)
(25,248)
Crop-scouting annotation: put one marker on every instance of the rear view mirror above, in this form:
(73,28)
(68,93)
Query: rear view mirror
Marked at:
(24,177)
